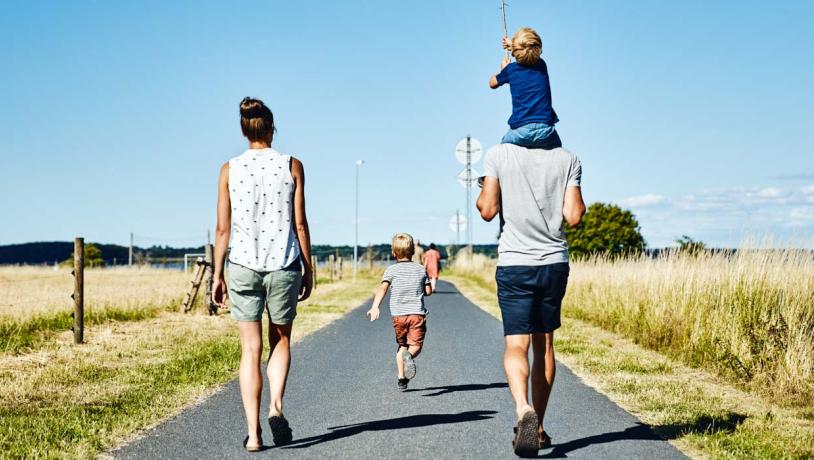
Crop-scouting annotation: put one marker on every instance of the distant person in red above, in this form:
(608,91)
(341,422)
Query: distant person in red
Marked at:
(432,263)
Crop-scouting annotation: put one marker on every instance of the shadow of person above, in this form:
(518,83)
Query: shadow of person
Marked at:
(412,421)
(638,431)
(455,388)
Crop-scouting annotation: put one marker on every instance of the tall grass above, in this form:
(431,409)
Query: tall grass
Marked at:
(748,316)
(35,302)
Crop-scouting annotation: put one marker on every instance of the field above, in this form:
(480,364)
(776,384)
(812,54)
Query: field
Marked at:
(142,361)
(713,350)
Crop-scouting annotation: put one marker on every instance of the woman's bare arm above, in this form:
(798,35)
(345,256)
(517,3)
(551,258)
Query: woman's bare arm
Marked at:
(301,227)
(222,233)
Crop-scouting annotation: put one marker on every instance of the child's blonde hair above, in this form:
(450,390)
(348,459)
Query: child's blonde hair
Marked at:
(403,247)
(527,46)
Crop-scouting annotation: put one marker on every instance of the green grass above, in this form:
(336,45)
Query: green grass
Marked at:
(53,428)
(18,336)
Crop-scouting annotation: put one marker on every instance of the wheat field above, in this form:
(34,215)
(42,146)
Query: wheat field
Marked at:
(748,316)
(28,291)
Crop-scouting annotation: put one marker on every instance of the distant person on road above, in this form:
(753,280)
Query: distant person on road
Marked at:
(432,263)
(533,118)
(409,283)
(533,191)
(261,215)
(418,253)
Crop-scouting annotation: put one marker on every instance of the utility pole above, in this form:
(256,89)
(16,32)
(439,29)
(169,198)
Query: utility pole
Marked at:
(130,255)
(469,193)
(457,228)
(359,164)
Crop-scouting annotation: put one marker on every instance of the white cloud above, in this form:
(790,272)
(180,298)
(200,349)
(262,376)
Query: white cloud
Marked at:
(650,199)
(725,216)
(769,192)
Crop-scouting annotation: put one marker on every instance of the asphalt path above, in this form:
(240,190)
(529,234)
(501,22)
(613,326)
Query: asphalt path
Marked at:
(342,401)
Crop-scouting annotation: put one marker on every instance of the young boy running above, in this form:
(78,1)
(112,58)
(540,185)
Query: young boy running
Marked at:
(410,284)
(533,117)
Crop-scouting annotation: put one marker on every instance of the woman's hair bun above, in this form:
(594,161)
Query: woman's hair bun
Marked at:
(256,120)
(252,108)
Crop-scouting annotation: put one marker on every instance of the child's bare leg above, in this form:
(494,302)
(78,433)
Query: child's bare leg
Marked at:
(414,350)
(399,362)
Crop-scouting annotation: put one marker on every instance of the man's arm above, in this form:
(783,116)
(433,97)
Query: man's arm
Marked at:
(573,207)
(489,199)
(373,313)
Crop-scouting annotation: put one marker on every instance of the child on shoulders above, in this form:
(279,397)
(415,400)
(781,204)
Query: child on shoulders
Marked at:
(533,118)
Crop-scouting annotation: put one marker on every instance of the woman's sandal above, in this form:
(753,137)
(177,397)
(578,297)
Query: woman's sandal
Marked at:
(280,430)
(256,448)
(526,443)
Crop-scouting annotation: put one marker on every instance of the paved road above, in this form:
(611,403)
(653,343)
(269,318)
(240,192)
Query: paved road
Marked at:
(342,401)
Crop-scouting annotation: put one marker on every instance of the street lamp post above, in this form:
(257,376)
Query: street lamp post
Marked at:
(359,164)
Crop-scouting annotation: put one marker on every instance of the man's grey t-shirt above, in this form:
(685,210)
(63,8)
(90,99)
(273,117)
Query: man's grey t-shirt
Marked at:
(532,190)
(407,280)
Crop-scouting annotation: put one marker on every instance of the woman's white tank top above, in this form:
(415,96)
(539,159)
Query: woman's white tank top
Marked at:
(261,190)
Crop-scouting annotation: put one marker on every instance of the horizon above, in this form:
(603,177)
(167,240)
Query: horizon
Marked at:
(694,116)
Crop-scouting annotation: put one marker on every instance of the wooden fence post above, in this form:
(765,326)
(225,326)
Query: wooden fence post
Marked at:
(79,290)
(331,267)
(210,307)
(340,269)
(314,271)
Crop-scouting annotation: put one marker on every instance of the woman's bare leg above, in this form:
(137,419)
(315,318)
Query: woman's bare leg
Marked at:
(250,377)
(279,364)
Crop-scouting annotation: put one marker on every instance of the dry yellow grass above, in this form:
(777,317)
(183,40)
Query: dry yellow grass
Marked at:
(748,316)
(26,292)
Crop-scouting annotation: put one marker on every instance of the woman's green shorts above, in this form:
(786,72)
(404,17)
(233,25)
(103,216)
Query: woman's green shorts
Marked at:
(251,292)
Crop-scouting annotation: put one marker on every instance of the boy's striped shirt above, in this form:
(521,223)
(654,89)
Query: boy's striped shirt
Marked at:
(407,281)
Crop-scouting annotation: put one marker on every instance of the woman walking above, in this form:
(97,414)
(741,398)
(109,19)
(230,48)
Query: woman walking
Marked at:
(261,211)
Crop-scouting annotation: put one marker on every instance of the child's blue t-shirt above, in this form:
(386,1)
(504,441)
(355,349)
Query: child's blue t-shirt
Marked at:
(531,94)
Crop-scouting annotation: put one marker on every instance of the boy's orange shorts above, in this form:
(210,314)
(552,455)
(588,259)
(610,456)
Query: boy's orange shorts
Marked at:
(410,329)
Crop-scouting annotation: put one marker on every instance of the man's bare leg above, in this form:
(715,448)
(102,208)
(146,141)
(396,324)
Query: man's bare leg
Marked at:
(250,377)
(516,365)
(279,364)
(542,373)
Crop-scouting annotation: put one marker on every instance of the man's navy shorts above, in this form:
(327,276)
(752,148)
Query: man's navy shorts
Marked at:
(530,297)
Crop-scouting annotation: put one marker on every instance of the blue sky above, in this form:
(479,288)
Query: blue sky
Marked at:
(115,116)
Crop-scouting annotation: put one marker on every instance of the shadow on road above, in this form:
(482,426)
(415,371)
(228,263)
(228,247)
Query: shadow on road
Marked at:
(639,431)
(455,388)
(412,421)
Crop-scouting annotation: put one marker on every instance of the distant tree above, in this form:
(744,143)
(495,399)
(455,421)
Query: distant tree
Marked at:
(689,245)
(605,229)
(93,257)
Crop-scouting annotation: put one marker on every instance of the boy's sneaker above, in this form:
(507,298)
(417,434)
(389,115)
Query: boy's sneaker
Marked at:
(403,384)
(409,364)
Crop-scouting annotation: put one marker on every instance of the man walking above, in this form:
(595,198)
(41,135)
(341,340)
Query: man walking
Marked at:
(533,190)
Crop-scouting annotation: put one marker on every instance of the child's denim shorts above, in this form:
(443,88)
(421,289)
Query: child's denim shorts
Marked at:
(534,136)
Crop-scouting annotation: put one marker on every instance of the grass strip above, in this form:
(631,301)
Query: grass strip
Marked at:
(17,336)
(701,413)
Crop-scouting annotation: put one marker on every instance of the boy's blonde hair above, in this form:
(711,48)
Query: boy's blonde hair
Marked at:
(527,47)
(403,247)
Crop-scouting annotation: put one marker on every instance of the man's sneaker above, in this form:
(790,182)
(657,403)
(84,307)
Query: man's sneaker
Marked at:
(403,384)
(409,364)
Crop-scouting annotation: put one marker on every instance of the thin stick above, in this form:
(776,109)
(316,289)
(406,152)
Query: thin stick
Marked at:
(505,31)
